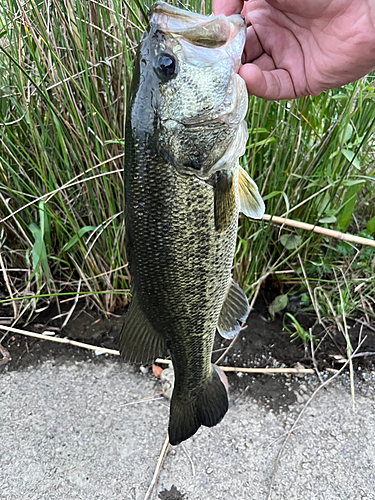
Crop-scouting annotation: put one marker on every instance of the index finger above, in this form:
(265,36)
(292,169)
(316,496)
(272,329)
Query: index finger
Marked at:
(227,7)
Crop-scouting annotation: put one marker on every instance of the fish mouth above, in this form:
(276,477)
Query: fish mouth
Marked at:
(204,31)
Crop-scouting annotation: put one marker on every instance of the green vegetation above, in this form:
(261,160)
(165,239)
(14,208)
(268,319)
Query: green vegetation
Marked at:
(65,67)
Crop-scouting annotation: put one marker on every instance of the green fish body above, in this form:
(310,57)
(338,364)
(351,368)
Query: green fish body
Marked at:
(183,191)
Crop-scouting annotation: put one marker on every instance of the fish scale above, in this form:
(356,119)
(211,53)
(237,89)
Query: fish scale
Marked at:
(176,250)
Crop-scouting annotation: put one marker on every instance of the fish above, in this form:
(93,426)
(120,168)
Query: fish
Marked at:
(184,188)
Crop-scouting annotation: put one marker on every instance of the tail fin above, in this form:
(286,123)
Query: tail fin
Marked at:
(207,409)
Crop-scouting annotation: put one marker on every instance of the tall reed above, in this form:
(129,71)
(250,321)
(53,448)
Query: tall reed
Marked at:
(65,68)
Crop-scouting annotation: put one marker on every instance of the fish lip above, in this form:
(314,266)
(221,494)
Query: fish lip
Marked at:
(165,8)
(180,22)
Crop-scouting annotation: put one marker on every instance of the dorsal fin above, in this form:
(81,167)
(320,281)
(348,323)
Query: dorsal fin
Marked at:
(251,203)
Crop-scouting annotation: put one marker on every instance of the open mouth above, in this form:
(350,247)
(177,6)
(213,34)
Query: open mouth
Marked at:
(202,31)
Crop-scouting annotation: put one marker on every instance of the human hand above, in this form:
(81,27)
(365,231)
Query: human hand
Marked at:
(296,48)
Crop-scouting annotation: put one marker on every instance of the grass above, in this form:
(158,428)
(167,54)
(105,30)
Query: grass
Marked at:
(65,68)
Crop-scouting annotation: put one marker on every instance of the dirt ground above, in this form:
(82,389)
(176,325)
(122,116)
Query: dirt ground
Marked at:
(263,342)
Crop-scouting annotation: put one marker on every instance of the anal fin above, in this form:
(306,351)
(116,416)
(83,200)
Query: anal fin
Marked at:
(139,342)
(251,203)
(234,311)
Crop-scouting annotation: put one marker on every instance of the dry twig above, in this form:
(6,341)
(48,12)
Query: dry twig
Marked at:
(60,340)
(321,230)
(235,369)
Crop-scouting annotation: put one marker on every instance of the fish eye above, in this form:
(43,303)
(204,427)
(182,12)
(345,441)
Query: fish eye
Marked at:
(166,67)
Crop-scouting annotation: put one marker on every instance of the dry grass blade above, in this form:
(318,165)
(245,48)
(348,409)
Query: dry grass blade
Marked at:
(163,454)
(189,458)
(7,283)
(147,399)
(349,348)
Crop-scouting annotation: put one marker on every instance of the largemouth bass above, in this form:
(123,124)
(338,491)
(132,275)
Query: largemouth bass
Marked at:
(185,132)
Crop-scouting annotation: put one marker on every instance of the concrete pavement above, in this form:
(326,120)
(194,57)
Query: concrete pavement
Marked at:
(67,431)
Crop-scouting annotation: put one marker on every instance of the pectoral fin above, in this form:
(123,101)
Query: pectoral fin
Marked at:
(234,311)
(139,342)
(251,203)
(224,199)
